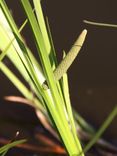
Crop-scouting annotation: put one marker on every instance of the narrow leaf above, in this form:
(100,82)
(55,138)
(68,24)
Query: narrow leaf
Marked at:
(100,24)
(11,145)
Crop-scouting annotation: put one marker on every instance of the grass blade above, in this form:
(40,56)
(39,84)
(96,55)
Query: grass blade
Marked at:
(53,53)
(104,126)
(20,86)
(10,43)
(11,145)
(17,52)
(42,26)
(100,24)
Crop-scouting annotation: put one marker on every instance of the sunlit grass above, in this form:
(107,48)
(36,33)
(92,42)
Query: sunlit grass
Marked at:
(48,81)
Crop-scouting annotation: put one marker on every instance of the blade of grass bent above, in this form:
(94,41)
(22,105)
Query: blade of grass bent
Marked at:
(10,145)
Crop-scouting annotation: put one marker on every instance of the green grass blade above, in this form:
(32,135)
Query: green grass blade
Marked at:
(20,86)
(16,51)
(39,41)
(66,95)
(10,24)
(68,107)
(65,88)
(4,153)
(10,43)
(30,70)
(14,55)
(42,26)
(42,49)
(104,126)
(4,41)
(14,48)
(11,145)
(8,15)
(100,24)
(53,53)
(82,123)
